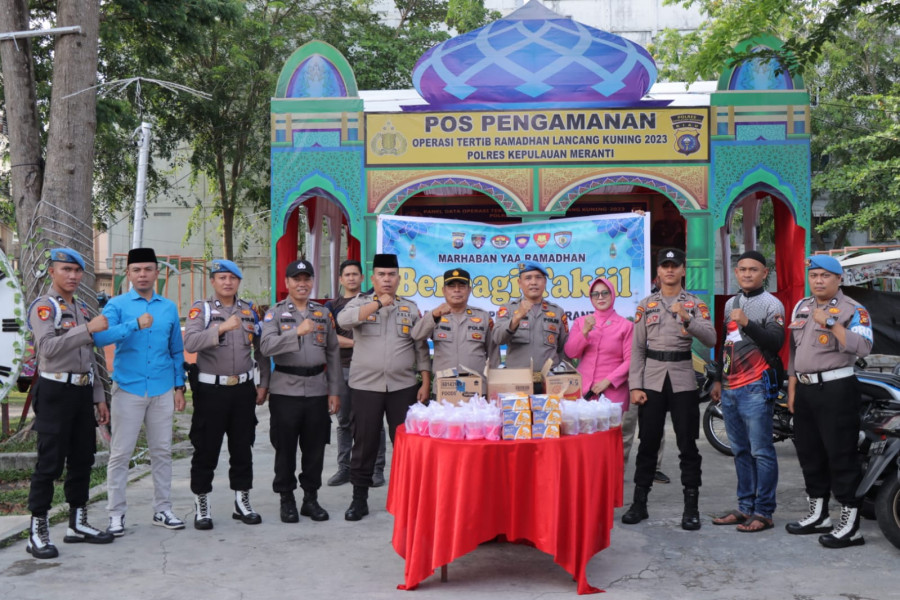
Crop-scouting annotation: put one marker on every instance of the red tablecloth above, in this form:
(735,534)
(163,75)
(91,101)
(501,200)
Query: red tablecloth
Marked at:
(449,496)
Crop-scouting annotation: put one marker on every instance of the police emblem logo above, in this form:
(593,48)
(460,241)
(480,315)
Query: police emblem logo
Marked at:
(301,265)
(320,338)
(639,314)
(502,312)
(522,240)
(194,313)
(834,310)
(863,316)
(318,313)
(269,316)
(216,265)
(478,241)
(442,335)
(476,336)
(541,239)
(475,320)
(459,238)
(500,241)
(687,128)
(670,254)
(823,339)
(60,255)
(43,312)
(551,314)
(562,238)
(245,312)
(689,305)
(652,304)
(779,319)
(704,311)
(388,142)
(551,338)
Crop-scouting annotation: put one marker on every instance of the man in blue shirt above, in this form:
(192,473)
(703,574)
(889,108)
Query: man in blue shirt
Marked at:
(149,375)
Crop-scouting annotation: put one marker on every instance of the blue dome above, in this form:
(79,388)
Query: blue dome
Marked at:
(535,56)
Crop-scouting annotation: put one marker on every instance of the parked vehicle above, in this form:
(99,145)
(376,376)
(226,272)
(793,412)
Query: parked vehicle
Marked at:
(875,386)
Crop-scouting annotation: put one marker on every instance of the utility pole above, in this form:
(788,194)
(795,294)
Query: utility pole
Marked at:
(140,193)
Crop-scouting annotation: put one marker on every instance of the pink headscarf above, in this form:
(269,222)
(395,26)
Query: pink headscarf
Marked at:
(610,312)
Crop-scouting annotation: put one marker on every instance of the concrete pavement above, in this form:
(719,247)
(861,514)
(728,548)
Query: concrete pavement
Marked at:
(337,559)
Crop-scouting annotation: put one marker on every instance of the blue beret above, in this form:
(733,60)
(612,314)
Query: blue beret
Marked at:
(220,265)
(530,265)
(823,261)
(66,255)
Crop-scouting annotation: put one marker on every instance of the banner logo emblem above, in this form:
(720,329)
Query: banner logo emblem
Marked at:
(562,238)
(541,239)
(687,132)
(521,240)
(458,239)
(388,142)
(478,240)
(500,241)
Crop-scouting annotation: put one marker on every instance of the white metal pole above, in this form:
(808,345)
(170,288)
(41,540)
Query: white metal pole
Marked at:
(140,194)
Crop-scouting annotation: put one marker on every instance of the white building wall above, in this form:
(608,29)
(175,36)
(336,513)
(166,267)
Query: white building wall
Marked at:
(637,20)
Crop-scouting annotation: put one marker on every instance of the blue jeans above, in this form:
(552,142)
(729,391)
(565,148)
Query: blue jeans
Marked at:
(748,421)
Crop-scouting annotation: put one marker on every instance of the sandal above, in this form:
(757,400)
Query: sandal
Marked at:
(749,526)
(734,517)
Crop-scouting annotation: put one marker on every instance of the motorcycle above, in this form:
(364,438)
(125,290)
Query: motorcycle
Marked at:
(874,386)
(880,446)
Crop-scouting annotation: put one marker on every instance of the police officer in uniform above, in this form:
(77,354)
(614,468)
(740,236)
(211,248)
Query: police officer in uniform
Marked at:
(662,380)
(68,389)
(382,371)
(224,332)
(828,331)
(461,333)
(304,390)
(532,328)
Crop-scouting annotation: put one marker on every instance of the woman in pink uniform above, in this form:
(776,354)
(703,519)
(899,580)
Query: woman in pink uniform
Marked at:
(602,344)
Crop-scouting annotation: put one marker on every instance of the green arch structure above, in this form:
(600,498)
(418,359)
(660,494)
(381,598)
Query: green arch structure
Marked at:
(326,51)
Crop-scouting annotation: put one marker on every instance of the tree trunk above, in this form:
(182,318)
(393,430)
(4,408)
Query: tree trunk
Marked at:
(27,167)
(65,209)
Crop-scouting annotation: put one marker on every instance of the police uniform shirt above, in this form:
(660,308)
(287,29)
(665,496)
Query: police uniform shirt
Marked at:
(814,348)
(541,335)
(317,348)
(656,328)
(66,345)
(386,358)
(230,353)
(460,339)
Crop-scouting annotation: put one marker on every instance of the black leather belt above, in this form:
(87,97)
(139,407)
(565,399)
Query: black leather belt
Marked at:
(301,371)
(665,356)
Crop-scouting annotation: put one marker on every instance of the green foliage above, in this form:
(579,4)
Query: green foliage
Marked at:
(466,15)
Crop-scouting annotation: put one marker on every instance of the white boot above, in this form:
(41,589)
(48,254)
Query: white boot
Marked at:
(39,545)
(846,532)
(81,531)
(202,514)
(242,509)
(816,520)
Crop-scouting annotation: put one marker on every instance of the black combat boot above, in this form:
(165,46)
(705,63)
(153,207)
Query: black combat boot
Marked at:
(289,508)
(359,507)
(39,545)
(81,531)
(310,507)
(846,533)
(690,519)
(637,512)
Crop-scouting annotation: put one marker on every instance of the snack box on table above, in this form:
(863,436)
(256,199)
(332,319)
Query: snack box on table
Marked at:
(517,432)
(544,431)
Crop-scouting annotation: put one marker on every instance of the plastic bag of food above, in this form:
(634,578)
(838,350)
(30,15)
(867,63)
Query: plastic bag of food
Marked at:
(456,423)
(569,424)
(587,417)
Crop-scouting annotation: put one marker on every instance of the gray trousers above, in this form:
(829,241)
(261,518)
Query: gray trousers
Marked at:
(128,413)
(629,425)
(345,434)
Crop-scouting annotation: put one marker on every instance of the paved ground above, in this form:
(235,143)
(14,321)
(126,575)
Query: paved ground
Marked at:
(336,559)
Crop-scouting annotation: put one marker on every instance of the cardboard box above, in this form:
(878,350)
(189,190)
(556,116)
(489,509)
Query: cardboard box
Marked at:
(546,417)
(509,381)
(514,402)
(517,432)
(544,402)
(544,431)
(565,384)
(517,417)
(455,386)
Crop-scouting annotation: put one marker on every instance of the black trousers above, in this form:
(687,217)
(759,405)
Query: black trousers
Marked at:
(219,411)
(685,409)
(298,421)
(826,431)
(366,418)
(66,428)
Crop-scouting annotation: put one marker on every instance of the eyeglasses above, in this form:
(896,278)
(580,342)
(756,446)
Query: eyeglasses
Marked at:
(603,294)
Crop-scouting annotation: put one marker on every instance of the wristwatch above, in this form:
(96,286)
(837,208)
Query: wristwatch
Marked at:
(380,305)
(829,322)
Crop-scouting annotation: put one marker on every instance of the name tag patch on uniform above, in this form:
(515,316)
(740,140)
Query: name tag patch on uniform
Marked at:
(43,312)
(195,312)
